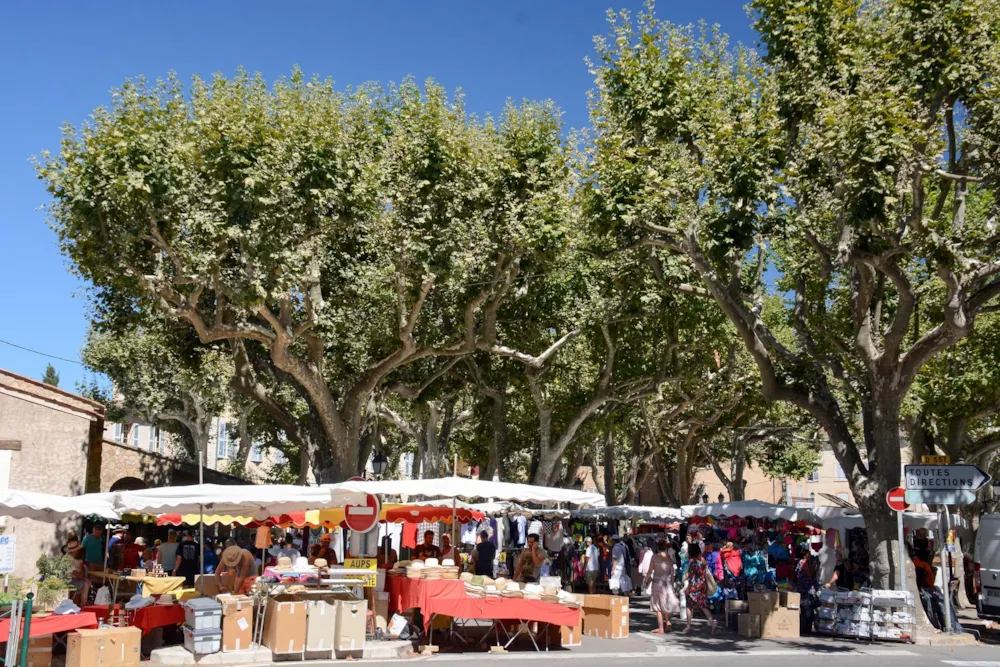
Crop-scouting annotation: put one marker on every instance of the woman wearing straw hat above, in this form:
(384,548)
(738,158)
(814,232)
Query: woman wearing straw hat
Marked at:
(240,562)
(79,579)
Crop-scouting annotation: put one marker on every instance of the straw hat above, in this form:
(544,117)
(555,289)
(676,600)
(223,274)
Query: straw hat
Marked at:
(320,562)
(140,541)
(165,599)
(284,562)
(232,555)
(302,563)
(72,546)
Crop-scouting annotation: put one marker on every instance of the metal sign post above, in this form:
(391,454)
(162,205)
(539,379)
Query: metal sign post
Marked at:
(943,521)
(944,485)
(896,503)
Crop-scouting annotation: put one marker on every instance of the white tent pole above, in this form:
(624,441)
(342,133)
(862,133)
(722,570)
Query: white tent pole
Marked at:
(201,527)
(454,504)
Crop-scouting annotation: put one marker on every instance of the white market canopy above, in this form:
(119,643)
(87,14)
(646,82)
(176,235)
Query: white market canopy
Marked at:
(464,487)
(752,508)
(258,501)
(844,519)
(51,507)
(630,512)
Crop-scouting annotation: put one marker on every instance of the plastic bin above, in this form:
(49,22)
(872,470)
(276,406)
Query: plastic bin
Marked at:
(203,614)
(202,642)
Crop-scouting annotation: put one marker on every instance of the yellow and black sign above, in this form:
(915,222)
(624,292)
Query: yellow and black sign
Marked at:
(935,460)
(362,564)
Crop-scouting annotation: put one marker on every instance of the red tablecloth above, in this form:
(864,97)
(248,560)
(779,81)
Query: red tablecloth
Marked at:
(147,618)
(48,625)
(448,597)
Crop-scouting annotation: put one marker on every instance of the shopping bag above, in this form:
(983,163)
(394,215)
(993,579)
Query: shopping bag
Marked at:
(103,595)
(710,586)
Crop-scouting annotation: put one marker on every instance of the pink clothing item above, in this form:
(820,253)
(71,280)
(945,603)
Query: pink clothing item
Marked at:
(734,560)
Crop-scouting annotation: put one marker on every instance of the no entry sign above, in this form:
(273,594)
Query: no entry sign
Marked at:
(896,499)
(362,518)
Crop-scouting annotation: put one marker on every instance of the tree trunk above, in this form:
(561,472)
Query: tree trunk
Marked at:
(610,496)
(880,523)
(498,442)
(924,626)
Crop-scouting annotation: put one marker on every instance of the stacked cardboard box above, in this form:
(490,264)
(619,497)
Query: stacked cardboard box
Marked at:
(108,647)
(237,622)
(605,616)
(564,635)
(40,651)
(772,615)
(285,625)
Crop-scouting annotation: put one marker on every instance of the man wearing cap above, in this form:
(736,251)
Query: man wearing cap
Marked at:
(591,565)
(240,562)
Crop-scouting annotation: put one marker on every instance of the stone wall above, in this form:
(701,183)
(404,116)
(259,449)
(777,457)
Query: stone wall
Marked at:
(51,429)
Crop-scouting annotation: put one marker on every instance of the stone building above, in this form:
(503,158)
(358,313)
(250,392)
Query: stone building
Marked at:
(52,441)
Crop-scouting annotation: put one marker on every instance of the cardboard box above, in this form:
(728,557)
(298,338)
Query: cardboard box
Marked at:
(321,624)
(381,608)
(605,616)
(789,600)
(285,625)
(748,625)
(737,607)
(212,583)
(352,624)
(109,647)
(780,624)
(763,604)
(237,622)
(40,651)
(565,635)
(234,603)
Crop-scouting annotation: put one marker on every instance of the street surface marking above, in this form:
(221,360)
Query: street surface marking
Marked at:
(970,663)
(665,652)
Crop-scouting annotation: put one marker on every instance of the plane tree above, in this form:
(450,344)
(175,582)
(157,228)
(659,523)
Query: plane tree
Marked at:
(845,154)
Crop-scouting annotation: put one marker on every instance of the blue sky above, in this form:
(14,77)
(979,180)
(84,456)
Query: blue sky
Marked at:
(61,59)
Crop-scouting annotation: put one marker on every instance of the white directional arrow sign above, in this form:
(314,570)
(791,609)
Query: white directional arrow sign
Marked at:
(960,477)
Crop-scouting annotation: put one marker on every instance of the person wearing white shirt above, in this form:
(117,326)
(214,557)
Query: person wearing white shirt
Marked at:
(592,565)
(288,550)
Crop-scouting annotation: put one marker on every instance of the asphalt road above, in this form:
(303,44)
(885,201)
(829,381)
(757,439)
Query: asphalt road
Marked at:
(700,648)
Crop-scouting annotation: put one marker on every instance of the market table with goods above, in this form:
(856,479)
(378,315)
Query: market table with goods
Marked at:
(294,598)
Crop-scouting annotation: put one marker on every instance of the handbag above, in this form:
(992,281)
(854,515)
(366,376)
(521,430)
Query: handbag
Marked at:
(711,587)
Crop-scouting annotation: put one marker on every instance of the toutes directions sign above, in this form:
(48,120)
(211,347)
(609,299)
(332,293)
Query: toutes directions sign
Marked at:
(944,478)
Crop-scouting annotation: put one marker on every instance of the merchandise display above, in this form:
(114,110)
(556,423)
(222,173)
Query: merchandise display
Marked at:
(867,614)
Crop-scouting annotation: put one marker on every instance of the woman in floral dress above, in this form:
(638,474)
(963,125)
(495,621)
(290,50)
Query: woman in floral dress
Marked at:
(697,587)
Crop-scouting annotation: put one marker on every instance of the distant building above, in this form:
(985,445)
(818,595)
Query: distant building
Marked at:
(222,447)
(52,441)
(819,489)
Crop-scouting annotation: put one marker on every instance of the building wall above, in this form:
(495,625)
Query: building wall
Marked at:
(759,485)
(147,438)
(53,429)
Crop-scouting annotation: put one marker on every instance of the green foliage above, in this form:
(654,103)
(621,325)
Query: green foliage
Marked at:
(51,375)
(17,589)
(344,234)
(54,574)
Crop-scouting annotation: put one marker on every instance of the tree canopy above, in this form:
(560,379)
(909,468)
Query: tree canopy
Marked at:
(748,251)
